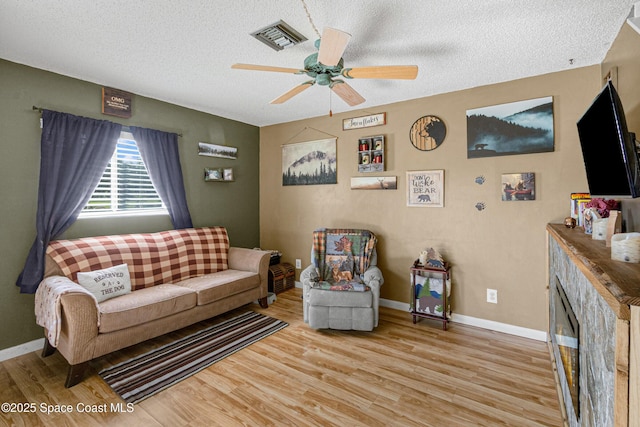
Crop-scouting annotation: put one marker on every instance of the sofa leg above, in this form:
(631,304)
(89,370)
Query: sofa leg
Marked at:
(75,374)
(263,302)
(48,349)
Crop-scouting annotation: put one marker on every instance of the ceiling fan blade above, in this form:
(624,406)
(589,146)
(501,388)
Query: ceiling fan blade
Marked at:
(266,68)
(293,92)
(407,72)
(346,92)
(332,46)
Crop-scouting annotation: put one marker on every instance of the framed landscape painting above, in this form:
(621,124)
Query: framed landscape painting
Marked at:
(310,163)
(214,150)
(522,127)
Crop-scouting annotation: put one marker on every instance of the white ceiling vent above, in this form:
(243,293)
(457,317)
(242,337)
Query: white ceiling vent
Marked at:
(279,36)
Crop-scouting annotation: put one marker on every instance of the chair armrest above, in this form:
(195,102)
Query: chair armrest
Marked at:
(373,277)
(308,275)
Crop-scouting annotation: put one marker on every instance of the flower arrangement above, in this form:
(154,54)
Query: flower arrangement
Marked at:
(603,206)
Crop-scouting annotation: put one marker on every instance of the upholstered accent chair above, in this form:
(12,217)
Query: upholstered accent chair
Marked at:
(341,287)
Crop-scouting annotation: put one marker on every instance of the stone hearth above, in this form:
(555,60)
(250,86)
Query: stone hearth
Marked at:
(597,342)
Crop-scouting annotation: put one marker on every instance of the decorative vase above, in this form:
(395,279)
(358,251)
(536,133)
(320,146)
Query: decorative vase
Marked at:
(625,247)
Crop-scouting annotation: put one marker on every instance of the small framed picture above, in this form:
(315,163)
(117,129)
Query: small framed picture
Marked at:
(518,186)
(218,174)
(425,188)
(213,174)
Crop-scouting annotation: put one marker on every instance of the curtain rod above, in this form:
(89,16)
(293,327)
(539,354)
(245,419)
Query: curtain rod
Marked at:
(124,127)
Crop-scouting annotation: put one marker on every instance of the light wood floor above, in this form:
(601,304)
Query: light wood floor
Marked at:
(400,374)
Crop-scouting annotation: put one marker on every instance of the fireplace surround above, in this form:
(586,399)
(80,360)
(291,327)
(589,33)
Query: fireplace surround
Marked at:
(565,340)
(605,298)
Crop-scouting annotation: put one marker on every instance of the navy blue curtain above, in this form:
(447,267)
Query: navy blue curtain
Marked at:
(74,152)
(159,152)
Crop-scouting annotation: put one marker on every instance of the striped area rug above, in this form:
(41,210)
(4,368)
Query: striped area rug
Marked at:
(145,375)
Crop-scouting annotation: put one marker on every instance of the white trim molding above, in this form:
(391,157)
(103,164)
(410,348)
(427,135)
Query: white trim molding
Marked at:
(21,349)
(480,323)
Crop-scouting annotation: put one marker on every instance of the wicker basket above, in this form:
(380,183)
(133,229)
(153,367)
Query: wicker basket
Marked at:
(281,277)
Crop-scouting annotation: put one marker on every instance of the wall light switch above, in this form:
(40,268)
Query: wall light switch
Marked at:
(298,263)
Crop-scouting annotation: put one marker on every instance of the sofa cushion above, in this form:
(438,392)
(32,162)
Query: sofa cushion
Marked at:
(216,286)
(143,306)
(153,258)
(106,283)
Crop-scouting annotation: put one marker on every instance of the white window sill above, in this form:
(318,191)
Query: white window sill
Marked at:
(121,214)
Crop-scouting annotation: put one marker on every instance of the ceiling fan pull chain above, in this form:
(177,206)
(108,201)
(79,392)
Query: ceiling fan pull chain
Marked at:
(309,17)
(330,106)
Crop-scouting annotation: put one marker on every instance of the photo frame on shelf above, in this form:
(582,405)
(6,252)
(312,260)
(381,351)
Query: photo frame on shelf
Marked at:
(425,189)
(218,174)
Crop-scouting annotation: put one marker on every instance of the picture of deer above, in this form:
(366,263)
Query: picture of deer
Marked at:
(338,275)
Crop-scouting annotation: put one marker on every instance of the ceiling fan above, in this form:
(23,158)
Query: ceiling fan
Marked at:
(327,64)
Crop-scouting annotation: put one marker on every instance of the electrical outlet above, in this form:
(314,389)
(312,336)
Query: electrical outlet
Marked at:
(492,296)
(298,263)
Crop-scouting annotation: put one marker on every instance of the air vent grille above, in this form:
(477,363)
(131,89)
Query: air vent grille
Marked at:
(279,36)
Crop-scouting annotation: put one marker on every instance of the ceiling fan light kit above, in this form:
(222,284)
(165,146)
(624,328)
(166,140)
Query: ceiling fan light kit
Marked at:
(327,64)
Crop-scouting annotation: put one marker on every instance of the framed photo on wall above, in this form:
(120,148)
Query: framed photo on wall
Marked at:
(521,127)
(518,186)
(425,189)
(214,150)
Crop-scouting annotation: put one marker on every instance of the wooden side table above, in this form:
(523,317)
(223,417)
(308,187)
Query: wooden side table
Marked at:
(430,291)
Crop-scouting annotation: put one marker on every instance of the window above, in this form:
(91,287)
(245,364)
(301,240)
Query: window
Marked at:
(125,186)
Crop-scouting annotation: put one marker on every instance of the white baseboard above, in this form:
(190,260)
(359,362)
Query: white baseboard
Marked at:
(506,328)
(533,334)
(480,323)
(19,350)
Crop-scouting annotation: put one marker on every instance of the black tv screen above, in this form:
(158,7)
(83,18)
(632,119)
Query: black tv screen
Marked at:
(608,149)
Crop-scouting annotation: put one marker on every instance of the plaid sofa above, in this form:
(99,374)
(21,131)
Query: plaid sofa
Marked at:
(178,277)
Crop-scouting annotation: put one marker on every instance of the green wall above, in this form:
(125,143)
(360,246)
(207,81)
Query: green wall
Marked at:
(234,205)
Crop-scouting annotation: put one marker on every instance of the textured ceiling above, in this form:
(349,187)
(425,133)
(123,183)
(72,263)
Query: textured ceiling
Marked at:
(181,51)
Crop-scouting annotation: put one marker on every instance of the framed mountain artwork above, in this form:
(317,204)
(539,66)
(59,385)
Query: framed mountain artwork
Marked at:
(310,163)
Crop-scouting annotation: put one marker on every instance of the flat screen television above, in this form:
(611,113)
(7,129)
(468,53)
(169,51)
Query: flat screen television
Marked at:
(609,150)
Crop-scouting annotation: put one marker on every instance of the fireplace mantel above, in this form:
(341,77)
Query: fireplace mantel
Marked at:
(606,294)
(618,282)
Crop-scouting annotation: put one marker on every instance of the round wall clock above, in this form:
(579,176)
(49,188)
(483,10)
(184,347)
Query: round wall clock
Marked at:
(427,133)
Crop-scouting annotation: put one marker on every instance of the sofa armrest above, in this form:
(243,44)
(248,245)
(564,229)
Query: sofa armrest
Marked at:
(252,260)
(79,321)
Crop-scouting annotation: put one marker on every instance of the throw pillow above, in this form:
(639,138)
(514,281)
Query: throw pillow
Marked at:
(106,283)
